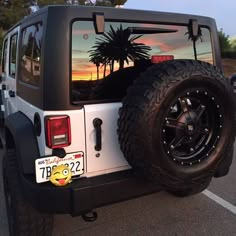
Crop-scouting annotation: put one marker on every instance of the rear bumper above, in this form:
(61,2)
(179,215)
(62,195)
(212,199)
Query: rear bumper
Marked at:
(86,194)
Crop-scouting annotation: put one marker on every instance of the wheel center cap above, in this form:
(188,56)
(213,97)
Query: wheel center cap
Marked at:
(190,128)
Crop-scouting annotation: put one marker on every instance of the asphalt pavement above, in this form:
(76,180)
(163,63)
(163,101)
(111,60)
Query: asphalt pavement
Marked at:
(156,214)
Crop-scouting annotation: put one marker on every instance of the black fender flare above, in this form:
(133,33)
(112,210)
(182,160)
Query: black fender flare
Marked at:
(22,131)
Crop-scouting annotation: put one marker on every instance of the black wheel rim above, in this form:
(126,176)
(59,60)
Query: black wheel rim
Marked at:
(192,127)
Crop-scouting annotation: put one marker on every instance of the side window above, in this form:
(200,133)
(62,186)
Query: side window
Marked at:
(31,54)
(4,56)
(13,59)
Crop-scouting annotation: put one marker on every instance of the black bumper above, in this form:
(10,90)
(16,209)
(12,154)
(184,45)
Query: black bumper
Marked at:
(86,194)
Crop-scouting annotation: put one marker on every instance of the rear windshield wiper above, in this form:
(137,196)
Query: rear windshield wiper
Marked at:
(145,30)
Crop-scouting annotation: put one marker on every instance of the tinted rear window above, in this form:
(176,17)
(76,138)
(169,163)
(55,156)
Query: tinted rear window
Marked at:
(103,66)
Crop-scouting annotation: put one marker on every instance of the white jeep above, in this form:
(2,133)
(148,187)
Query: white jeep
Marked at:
(132,101)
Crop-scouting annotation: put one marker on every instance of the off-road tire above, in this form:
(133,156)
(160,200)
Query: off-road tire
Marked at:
(189,190)
(222,170)
(23,219)
(224,166)
(142,117)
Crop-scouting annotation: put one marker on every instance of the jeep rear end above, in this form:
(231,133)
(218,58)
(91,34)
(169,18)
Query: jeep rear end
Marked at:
(75,84)
(75,67)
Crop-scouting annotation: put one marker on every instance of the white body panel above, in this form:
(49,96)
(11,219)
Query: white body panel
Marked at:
(83,134)
(77,126)
(110,158)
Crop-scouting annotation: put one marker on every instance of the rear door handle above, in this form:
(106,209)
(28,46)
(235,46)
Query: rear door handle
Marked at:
(97,123)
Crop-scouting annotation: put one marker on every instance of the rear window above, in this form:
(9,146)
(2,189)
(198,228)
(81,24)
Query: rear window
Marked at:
(105,65)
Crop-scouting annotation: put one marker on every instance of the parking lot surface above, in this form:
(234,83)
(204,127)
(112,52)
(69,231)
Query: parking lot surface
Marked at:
(157,214)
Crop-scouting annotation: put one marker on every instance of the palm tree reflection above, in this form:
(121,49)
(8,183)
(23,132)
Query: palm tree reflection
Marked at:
(117,46)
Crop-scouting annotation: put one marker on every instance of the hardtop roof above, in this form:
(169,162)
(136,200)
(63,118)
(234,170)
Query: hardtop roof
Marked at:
(121,12)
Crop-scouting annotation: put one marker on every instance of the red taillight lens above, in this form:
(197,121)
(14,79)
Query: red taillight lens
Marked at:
(158,59)
(58,132)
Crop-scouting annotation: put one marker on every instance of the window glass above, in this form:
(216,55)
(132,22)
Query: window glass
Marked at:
(103,66)
(204,46)
(13,59)
(31,54)
(4,56)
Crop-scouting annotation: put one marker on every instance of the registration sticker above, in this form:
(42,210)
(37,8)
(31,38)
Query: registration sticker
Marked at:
(44,166)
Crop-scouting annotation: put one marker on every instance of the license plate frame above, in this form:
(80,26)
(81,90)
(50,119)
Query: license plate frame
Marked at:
(44,166)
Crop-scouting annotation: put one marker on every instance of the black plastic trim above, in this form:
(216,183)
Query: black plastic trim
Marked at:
(37,124)
(22,130)
(97,123)
(86,194)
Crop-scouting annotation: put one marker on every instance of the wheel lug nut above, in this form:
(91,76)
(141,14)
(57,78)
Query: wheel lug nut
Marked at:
(205,93)
(191,149)
(206,130)
(172,146)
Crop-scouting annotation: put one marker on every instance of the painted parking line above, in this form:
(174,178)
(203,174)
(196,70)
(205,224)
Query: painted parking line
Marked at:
(230,207)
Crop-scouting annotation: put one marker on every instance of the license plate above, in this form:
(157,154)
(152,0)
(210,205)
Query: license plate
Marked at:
(44,166)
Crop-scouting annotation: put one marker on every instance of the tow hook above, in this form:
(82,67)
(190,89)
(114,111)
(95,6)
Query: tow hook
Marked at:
(90,216)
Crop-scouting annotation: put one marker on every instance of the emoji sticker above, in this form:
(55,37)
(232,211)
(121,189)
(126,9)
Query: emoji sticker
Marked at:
(61,175)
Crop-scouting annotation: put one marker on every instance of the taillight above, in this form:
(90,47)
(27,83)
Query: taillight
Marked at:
(161,58)
(58,132)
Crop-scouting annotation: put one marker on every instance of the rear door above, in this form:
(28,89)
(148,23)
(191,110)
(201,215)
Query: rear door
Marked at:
(105,65)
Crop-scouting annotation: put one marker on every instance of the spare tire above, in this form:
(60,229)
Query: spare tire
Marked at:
(176,123)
